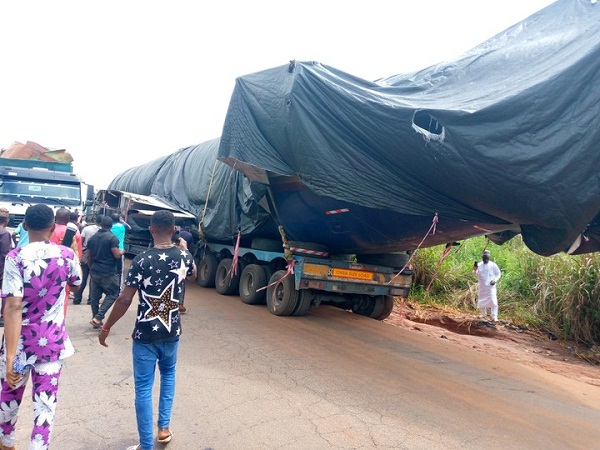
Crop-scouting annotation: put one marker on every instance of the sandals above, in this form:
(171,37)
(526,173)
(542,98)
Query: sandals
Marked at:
(96,324)
(166,439)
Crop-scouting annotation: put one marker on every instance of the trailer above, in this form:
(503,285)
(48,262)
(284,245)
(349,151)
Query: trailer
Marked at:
(297,276)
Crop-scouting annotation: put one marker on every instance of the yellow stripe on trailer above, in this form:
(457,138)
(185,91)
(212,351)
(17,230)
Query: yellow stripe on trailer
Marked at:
(315,269)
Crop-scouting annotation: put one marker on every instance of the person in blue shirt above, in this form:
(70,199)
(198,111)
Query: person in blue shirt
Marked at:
(22,234)
(119,228)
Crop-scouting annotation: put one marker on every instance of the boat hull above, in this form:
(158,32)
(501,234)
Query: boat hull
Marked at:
(348,228)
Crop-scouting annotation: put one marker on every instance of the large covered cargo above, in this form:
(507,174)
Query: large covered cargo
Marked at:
(350,174)
(191,179)
(505,138)
(501,141)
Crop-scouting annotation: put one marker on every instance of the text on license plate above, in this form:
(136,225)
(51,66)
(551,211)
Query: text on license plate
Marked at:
(355,274)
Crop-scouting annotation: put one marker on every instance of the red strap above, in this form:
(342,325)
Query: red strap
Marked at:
(289,271)
(487,242)
(236,255)
(445,253)
(432,230)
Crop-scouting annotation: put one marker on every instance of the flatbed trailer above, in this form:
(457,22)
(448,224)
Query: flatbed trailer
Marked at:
(293,280)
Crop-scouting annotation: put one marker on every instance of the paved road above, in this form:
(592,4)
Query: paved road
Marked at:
(330,380)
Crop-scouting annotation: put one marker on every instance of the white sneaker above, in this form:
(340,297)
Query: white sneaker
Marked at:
(135,447)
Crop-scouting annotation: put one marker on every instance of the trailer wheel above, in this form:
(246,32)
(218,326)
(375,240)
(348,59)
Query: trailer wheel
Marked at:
(305,297)
(207,270)
(225,283)
(384,304)
(269,271)
(282,296)
(364,306)
(253,278)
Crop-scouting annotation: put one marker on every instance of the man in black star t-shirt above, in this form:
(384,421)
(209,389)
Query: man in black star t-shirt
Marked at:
(159,275)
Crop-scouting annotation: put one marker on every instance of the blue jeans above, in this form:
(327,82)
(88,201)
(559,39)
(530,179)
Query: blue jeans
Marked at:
(145,358)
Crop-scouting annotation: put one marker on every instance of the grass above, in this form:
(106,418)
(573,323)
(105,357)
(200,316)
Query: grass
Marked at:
(559,294)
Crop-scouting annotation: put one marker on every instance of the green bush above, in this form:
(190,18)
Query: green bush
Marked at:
(559,293)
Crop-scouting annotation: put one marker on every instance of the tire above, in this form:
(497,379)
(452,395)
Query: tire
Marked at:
(269,271)
(267,245)
(207,270)
(305,297)
(394,260)
(384,305)
(364,306)
(253,278)
(226,284)
(282,297)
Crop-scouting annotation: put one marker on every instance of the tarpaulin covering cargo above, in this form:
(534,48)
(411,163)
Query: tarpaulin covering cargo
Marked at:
(507,134)
(190,176)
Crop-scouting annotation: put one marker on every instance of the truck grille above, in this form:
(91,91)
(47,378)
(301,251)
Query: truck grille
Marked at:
(15,219)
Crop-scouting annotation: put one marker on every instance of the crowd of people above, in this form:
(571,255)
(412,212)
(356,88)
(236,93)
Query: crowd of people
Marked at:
(52,256)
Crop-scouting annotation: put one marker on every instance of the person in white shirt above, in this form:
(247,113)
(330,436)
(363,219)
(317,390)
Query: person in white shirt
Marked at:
(488,273)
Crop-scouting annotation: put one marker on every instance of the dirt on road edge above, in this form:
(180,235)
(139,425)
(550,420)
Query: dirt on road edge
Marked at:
(503,339)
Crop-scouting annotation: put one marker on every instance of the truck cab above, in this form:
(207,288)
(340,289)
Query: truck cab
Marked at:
(24,183)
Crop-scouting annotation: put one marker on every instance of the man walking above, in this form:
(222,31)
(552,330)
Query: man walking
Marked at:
(87,232)
(159,276)
(104,255)
(488,274)
(35,340)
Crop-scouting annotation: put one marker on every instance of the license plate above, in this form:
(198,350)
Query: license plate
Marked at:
(354,274)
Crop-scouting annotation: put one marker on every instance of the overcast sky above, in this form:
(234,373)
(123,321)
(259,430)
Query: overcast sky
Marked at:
(120,83)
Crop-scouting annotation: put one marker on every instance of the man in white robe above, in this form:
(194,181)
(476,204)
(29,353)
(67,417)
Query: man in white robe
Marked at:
(488,273)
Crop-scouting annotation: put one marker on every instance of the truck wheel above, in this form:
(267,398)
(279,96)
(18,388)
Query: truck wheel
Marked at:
(207,270)
(384,305)
(282,296)
(253,278)
(364,306)
(305,297)
(269,271)
(225,283)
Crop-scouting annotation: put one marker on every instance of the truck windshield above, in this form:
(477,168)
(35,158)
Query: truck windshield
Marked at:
(32,191)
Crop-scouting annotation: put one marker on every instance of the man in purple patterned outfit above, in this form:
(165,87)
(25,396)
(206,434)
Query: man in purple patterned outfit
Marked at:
(35,340)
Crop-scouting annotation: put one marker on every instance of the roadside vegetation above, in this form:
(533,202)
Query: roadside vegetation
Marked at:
(559,294)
